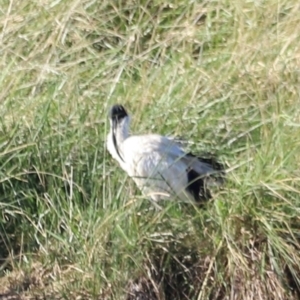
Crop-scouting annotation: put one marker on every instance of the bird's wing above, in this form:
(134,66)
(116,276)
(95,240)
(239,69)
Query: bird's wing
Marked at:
(172,149)
(154,162)
(161,165)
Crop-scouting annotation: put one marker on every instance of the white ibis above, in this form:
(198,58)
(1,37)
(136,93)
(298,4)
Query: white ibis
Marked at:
(158,165)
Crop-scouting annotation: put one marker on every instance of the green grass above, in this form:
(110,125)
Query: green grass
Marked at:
(222,74)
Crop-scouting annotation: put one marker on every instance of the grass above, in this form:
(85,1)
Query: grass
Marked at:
(223,74)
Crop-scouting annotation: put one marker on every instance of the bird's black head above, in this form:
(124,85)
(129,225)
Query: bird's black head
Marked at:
(117,113)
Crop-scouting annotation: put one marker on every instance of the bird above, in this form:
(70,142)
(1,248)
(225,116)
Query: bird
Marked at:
(159,165)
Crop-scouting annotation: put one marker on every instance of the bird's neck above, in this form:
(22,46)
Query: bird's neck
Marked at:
(118,134)
(121,132)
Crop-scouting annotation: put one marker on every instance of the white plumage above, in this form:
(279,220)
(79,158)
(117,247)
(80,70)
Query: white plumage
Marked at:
(157,164)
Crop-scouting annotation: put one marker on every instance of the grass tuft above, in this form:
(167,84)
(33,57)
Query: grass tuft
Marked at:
(222,75)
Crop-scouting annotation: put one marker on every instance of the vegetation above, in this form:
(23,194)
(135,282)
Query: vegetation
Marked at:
(223,74)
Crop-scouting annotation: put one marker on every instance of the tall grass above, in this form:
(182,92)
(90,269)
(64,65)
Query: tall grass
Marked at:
(222,74)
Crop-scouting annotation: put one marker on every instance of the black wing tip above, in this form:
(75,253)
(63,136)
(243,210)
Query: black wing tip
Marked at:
(197,184)
(210,159)
(197,187)
(118,112)
(214,162)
